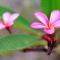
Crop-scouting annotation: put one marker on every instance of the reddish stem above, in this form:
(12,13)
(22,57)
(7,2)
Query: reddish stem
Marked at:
(51,42)
(9,29)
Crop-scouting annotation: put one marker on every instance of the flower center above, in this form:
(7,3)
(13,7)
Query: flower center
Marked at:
(49,25)
(6,25)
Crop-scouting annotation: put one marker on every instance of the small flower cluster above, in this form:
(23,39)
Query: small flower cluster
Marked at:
(8,20)
(48,25)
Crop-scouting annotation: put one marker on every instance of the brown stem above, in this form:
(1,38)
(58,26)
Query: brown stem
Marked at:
(35,49)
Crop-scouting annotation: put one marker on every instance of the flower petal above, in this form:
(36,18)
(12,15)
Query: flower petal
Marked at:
(37,25)
(9,23)
(55,15)
(2,26)
(14,16)
(41,17)
(49,31)
(6,17)
(57,24)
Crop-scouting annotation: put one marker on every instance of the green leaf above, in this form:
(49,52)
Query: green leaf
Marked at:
(23,24)
(48,5)
(55,4)
(16,42)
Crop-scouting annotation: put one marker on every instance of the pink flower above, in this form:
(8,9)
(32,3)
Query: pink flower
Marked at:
(8,20)
(47,24)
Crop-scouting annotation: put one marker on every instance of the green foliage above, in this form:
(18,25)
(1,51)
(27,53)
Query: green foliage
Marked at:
(16,42)
(24,25)
(55,4)
(46,6)
(49,5)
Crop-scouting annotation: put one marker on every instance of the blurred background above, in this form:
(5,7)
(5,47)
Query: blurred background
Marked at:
(26,8)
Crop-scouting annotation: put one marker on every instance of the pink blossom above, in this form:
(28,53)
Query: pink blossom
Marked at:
(8,20)
(46,24)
